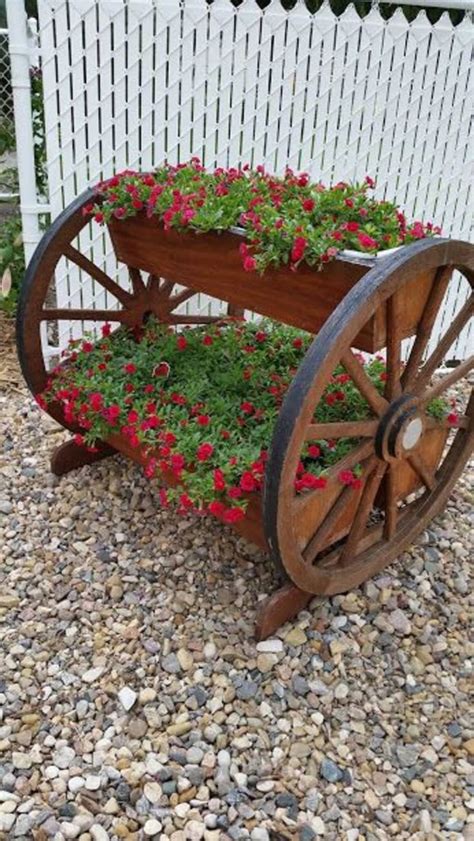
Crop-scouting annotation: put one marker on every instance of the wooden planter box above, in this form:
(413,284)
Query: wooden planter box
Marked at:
(211,263)
(251,527)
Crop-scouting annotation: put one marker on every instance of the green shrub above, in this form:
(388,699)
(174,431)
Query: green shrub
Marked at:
(12,262)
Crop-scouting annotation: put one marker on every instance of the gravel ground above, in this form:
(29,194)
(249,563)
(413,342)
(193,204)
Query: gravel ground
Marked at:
(134,703)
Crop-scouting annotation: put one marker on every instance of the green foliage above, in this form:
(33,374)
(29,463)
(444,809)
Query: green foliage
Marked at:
(12,262)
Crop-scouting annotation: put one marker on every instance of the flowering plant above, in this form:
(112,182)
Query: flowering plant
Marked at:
(201,405)
(285,220)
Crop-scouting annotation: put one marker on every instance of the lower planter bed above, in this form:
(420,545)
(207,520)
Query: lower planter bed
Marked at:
(315,505)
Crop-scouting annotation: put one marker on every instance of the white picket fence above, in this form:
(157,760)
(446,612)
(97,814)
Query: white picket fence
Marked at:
(129,83)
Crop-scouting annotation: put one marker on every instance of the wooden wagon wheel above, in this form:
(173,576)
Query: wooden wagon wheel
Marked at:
(296,525)
(147,295)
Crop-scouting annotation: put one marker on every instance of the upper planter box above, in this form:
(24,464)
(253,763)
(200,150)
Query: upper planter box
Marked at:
(305,298)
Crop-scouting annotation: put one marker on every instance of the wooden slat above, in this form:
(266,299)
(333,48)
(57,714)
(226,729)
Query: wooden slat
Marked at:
(393,387)
(324,531)
(458,373)
(421,468)
(82,315)
(436,358)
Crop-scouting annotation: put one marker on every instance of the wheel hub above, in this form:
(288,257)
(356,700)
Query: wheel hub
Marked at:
(400,430)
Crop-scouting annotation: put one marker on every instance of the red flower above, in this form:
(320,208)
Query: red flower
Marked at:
(111,414)
(249,263)
(41,401)
(308,205)
(260,336)
(348,202)
(225,434)
(357,484)
(132,416)
(208,340)
(161,370)
(177,462)
(247,408)
(150,468)
(452,419)
(366,241)
(79,440)
(216,508)
(96,400)
(233,515)
(99,217)
(204,452)
(203,420)
(314,451)
(181,343)
(129,368)
(369,181)
(219,480)
(185,501)
(346,477)
(330,399)
(247,482)
(234,492)
(298,249)
(87,347)
(352,227)
(297,343)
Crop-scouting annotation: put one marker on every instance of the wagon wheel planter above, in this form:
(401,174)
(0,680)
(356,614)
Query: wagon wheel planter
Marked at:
(329,540)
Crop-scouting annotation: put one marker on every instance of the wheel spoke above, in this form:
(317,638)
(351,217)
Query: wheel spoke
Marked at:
(425,326)
(164,287)
(458,373)
(391,508)
(180,297)
(393,387)
(422,470)
(319,539)
(436,358)
(344,429)
(366,387)
(97,274)
(82,315)
(462,422)
(375,472)
(137,281)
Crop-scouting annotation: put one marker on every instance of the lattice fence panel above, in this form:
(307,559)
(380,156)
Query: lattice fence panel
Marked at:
(129,83)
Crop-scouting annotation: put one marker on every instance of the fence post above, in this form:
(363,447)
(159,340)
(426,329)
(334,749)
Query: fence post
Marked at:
(19,49)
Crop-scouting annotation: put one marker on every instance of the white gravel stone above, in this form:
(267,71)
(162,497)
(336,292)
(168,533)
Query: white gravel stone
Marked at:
(98,833)
(270,646)
(152,827)
(127,697)
(91,675)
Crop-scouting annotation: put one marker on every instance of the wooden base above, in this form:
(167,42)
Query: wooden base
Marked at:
(69,456)
(279,608)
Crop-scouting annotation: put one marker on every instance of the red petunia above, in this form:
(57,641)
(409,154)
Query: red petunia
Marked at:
(161,370)
(181,343)
(346,477)
(87,347)
(129,368)
(219,480)
(247,482)
(203,420)
(247,408)
(208,340)
(204,452)
(216,508)
(314,451)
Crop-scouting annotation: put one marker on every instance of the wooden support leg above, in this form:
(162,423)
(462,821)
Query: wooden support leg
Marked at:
(69,456)
(278,608)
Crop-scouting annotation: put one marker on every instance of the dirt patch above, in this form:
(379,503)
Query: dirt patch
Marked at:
(10,374)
